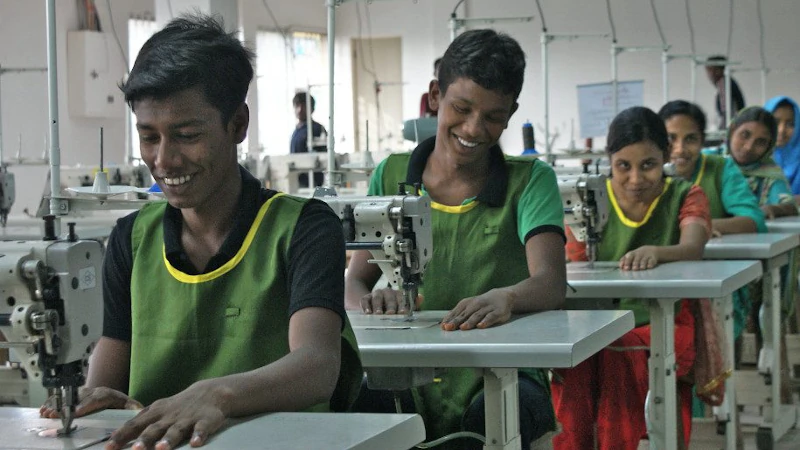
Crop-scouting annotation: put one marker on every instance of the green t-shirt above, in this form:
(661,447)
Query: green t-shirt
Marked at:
(477,246)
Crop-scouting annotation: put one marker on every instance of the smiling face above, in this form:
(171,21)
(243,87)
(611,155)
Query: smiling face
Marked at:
(471,119)
(686,142)
(188,149)
(637,172)
(784,115)
(749,142)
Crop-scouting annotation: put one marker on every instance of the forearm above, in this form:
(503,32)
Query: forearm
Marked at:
(734,225)
(679,252)
(544,291)
(109,365)
(354,290)
(780,210)
(360,279)
(301,379)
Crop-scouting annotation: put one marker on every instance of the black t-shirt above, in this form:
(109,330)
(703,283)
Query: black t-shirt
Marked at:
(315,272)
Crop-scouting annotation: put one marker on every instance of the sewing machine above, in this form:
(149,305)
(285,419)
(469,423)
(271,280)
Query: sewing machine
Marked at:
(51,315)
(396,230)
(7,193)
(585,201)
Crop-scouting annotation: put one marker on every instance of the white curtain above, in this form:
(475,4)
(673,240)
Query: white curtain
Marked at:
(139,31)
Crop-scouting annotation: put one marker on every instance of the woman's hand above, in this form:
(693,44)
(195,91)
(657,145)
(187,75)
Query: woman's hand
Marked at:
(643,258)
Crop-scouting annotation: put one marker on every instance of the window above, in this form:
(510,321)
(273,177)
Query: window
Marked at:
(139,31)
(283,69)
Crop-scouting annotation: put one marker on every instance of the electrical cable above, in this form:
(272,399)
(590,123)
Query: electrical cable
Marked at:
(761,35)
(451,436)
(116,37)
(730,31)
(457,5)
(286,40)
(377,83)
(371,72)
(541,15)
(658,24)
(691,27)
(611,22)
(169,7)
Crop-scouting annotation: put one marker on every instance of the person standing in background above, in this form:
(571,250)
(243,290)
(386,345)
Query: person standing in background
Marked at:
(299,142)
(716,74)
(425,108)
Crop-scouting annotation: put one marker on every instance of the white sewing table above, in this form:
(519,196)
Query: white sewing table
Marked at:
(663,286)
(278,431)
(551,339)
(774,251)
(784,225)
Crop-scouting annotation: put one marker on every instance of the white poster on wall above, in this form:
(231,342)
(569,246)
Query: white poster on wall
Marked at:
(596,104)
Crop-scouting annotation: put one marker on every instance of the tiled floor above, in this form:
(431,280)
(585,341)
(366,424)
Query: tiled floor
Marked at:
(705,437)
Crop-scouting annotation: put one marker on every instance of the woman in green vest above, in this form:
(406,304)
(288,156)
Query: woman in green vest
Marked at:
(654,219)
(497,233)
(752,135)
(734,208)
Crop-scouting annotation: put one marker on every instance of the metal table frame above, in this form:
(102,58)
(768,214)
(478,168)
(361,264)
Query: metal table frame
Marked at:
(773,250)
(662,287)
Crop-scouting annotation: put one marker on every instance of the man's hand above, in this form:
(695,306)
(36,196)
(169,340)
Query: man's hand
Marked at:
(482,311)
(194,414)
(385,301)
(92,400)
(643,258)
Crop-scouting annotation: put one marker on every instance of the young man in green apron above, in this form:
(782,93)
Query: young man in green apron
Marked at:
(227,299)
(497,232)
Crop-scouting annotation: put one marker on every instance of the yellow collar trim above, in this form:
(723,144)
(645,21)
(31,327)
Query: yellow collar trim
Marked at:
(460,209)
(621,215)
(702,171)
(233,262)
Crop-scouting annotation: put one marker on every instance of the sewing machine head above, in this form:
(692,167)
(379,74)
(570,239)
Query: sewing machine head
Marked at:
(7,193)
(51,312)
(396,230)
(585,201)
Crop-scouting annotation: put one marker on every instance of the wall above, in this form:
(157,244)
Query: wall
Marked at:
(423,27)
(23,43)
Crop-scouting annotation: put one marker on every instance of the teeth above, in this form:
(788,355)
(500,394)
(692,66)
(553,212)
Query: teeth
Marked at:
(466,143)
(177,181)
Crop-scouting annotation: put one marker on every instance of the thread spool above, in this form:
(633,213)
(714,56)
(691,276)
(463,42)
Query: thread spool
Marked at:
(528,142)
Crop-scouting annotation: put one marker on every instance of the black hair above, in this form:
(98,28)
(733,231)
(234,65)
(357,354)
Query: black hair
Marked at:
(634,125)
(436,63)
(717,58)
(300,99)
(755,114)
(193,50)
(783,103)
(684,108)
(493,60)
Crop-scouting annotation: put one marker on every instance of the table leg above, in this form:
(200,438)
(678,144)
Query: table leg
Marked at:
(778,419)
(501,395)
(663,392)
(727,412)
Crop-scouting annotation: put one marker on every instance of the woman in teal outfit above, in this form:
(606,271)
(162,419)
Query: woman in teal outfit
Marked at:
(752,136)
(497,231)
